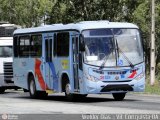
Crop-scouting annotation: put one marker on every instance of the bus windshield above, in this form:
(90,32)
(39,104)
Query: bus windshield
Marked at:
(5,51)
(113,47)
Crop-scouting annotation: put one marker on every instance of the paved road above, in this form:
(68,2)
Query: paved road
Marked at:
(18,102)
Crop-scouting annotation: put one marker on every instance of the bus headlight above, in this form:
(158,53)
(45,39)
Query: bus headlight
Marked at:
(91,78)
(140,76)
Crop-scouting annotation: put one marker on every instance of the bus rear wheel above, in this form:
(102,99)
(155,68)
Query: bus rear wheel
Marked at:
(32,88)
(119,96)
(2,90)
(33,91)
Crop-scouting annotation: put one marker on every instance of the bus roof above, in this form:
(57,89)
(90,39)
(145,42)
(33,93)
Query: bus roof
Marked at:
(76,26)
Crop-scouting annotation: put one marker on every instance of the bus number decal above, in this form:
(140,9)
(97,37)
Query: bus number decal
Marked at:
(105,77)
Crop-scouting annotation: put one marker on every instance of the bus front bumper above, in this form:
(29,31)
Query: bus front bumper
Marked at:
(3,83)
(112,87)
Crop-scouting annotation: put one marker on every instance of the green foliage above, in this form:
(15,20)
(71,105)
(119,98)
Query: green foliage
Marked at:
(152,89)
(142,17)
(67,11)
(26,13)
(81,10)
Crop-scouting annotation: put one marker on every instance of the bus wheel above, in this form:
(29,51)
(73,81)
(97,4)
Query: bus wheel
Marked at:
(68,95)
(119,96)
(81,96)
(84,95)
(32,88)
(42,94)
(2,90)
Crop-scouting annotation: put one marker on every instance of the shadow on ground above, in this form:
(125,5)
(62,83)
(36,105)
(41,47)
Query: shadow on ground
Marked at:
(62,98)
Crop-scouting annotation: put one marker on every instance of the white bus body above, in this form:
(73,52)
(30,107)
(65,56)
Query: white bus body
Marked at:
(6,70)
(58,58)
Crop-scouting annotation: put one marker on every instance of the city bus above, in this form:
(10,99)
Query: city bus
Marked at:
(6,59)
(88,57)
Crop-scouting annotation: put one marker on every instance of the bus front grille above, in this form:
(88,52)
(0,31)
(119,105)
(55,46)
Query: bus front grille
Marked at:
(8,72)
(117,87)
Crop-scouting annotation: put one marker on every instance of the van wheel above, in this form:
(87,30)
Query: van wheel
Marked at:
(68,95)
(119,96)
(32,88)
(2,90)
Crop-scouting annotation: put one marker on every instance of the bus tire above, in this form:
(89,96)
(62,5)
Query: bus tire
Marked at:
(32,87)
(81,96)
(42,94)
(84,95)
(119,96)
(69,96)
(2,90)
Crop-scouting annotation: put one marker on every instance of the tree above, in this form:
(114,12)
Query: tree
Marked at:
(27,13)
(67,11)
(142,17)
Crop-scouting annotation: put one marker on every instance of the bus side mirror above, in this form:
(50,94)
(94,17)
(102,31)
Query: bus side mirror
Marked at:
(81,43)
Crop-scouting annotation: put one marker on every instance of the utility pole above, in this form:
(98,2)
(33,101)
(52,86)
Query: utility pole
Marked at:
(152,63)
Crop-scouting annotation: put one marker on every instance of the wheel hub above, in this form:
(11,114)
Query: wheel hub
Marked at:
(32,89)
(68,89)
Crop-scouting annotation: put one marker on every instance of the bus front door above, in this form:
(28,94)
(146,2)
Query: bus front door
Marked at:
(75,63)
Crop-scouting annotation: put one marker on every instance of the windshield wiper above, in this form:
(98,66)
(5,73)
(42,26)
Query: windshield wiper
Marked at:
(105,60)
(119,50)
(107,56)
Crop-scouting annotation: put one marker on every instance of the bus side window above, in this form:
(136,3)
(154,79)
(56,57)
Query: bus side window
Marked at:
(24,42)
(48,49)
(80,56)
(36,46)
(55,45)
(63,44)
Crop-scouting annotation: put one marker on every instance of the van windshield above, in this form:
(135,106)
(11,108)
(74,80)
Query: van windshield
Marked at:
(6,51)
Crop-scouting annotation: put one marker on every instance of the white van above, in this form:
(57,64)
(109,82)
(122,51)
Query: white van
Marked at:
(6,59)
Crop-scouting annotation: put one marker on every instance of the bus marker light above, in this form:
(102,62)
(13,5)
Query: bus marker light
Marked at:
(49,91)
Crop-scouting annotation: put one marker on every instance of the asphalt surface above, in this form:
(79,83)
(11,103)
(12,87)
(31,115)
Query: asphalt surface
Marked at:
(19,103)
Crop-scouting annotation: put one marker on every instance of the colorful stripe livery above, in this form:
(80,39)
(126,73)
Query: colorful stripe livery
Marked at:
(133,74)
(55,78)
(39,75)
